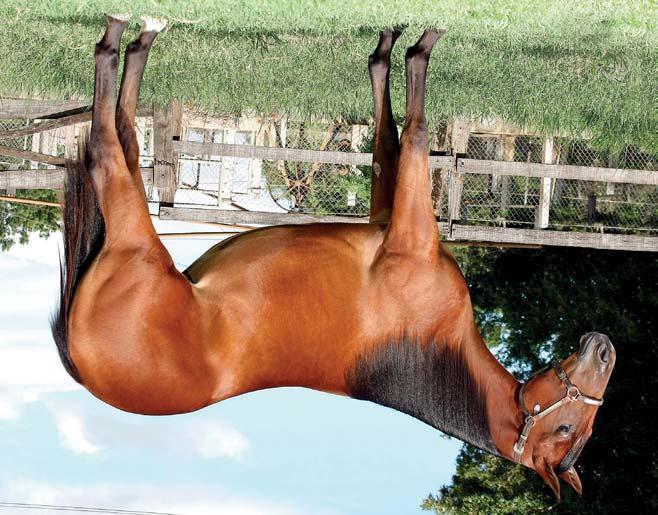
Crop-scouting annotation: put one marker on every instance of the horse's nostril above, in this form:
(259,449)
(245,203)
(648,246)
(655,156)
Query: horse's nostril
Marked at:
(603,352)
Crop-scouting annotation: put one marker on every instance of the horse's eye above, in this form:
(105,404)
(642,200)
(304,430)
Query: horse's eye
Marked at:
(565,428)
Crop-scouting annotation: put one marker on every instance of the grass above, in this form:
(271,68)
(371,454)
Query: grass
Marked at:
(573,67)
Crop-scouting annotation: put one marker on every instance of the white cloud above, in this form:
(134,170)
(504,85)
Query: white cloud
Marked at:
(10,408)
(73,434)
(85,431)
(29,364)
(27,372)
(178,499)
(25,335)
(30,278)
(36,295)
(216,440)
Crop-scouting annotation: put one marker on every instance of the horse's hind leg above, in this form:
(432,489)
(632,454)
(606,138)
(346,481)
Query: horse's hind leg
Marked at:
(133,70)
(386,147)
(122,204)
(104,150)
(413,228)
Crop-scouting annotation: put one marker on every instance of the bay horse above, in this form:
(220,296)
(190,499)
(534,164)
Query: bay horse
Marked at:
(379,312)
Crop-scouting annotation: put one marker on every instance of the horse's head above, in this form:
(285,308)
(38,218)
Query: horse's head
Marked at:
(560,403)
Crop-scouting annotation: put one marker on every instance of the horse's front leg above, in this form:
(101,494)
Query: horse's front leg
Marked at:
(386,146)
(413,230)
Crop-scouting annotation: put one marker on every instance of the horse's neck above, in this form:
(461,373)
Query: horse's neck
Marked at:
(458,388)
(500,388)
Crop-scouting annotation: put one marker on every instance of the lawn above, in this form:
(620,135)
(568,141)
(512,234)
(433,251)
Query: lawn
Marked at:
(552,65)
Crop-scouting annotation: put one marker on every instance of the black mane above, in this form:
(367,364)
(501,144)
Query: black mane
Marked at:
(429,382)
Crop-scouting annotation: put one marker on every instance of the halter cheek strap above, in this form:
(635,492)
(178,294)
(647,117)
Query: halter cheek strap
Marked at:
(572,394)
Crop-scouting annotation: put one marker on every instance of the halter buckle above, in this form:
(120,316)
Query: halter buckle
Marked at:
(519,448)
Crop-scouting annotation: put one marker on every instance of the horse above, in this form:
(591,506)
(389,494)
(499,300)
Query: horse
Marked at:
(378,312)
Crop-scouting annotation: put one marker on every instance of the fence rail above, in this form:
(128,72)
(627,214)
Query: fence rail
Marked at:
(510,189)
(550,171)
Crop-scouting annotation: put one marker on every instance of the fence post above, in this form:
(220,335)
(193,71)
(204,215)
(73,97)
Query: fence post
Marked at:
(459,144)
(70,149)
(543,208)
(167,123)
(507,154)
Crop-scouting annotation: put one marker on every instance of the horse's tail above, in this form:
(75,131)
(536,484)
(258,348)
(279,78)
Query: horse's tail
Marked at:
(84,233)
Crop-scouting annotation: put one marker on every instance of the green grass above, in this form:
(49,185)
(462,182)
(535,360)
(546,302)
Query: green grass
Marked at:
(551,65)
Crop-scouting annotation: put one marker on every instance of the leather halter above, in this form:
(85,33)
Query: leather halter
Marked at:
(572,394)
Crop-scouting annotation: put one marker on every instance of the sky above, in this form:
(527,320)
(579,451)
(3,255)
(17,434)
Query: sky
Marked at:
(286,451)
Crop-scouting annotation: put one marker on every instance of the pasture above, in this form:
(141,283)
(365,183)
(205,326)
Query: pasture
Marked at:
(572,68)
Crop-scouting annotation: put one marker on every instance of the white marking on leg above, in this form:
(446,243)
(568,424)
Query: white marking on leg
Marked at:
(150,24)
(377,169)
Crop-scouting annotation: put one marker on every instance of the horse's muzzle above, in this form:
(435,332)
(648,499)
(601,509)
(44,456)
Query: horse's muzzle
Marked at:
(597,347)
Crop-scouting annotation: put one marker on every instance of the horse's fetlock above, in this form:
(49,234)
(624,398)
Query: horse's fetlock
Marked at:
(103,48)
(417,55)
(107,52)
(378,66)
(134,47)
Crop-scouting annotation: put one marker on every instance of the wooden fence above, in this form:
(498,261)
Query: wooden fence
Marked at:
(456,170)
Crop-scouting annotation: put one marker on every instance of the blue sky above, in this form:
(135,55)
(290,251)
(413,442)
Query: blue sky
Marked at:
(286,451)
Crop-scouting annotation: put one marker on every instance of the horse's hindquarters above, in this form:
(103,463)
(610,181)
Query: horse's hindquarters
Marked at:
(135,334)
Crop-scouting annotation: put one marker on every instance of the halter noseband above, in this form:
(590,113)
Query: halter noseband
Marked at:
(572,394)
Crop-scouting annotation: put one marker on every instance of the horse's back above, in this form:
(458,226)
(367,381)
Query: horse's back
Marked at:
(296,287)
(320,292)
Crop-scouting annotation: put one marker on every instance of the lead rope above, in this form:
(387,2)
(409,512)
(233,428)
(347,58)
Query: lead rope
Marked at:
(573,394)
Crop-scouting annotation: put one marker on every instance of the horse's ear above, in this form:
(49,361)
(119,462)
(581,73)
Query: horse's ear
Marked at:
(547,474)
(571,477)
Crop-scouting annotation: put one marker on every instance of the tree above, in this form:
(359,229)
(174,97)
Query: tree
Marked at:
(538,303)
(19,221)
(486,484)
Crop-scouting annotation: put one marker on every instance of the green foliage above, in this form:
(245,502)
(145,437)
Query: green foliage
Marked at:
(19,221)
(486,484)
(550,65)
(546,300)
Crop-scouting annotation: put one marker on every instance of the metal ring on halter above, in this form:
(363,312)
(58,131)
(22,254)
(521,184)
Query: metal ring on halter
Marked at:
(573,396)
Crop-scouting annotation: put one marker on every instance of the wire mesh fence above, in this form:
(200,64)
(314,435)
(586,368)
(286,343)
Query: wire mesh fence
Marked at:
(217,181)
(514,201)
(277,186)
(20,143)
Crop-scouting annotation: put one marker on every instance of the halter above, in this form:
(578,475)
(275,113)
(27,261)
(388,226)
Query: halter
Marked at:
(572,394)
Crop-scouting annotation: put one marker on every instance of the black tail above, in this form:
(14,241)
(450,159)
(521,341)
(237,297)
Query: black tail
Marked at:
(84,233)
